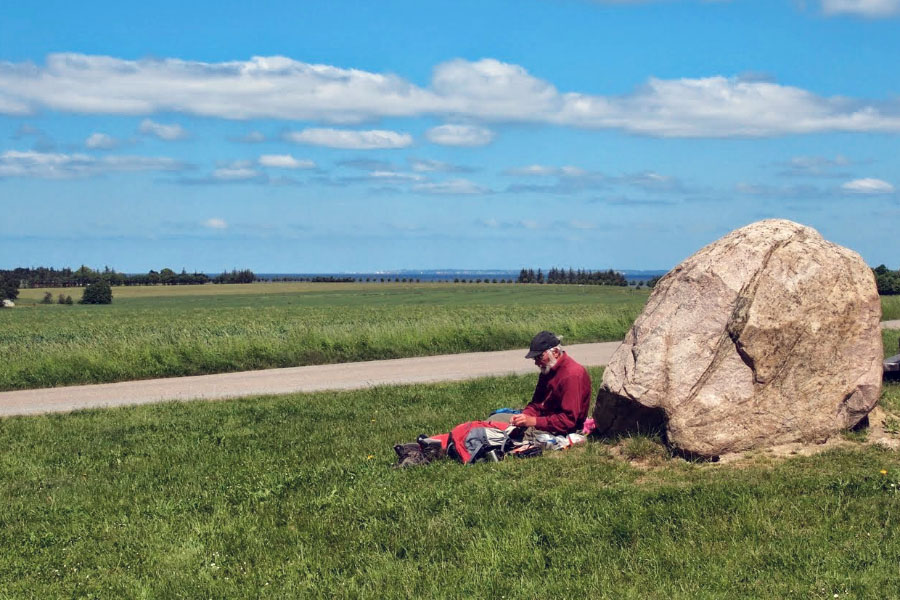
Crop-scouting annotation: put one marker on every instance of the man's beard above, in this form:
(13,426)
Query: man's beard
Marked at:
(549,366)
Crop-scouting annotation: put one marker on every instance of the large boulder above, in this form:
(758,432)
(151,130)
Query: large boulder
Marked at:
(770,335)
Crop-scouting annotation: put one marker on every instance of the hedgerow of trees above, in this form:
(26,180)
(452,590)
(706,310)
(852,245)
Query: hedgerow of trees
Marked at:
(84,276)
(571,276)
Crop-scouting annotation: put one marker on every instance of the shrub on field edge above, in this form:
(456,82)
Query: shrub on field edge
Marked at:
(9,286)
(97,293)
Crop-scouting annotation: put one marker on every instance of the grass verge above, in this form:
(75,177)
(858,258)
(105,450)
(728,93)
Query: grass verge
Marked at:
(293,496)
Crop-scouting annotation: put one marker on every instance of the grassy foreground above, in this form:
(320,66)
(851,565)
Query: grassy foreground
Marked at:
(167,331)
(294,496)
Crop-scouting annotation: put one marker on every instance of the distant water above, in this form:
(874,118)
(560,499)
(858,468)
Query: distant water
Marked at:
(442,275)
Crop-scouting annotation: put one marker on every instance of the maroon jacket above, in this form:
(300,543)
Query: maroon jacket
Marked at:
(561,398)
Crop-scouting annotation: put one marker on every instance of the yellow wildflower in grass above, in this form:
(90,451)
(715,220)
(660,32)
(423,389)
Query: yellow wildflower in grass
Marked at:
(370,457)
(884,472)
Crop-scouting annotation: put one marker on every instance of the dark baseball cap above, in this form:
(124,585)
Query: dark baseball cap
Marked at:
(541,342)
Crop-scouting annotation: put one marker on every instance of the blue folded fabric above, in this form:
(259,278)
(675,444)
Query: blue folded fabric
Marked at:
(507,411)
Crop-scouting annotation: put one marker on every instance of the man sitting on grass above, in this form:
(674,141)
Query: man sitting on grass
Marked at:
(561,399)
(559,405)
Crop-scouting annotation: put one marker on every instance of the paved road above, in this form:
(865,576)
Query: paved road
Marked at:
(347,376)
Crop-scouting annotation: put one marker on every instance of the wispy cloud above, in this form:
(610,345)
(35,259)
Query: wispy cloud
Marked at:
(350,139)
(215,223)
(421,165)
(545,171)
(652,182)
(814,166)
(396,176)
(100,141)
(235,173)
(366,164)
(486,90)
(863,8)
(452,187)
(571,180)
(868,185)
(42,141)
(254,137)
(460,135)
(285,161)
(45,165)
(168,133)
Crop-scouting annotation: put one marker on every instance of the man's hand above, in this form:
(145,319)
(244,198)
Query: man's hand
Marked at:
(523,420)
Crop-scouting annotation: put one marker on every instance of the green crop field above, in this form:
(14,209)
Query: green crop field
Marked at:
(294,497)
(164,331)
(170,331)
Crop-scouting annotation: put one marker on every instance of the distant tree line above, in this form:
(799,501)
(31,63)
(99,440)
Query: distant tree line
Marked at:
(84,276)
(571,276)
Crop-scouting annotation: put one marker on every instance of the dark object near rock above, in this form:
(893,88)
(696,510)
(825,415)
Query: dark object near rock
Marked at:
(891,368)
(409,455)
(430,447)
(421,452)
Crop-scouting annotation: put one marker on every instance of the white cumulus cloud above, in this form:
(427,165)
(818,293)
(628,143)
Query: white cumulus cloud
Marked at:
(868,185)
(100,141)
(285,161)
(459,135)
(484,91)
(863,8)
(163,132)
(350,139)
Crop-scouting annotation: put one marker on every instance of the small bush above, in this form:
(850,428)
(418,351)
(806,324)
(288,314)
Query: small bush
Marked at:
(97,293)
(47,299)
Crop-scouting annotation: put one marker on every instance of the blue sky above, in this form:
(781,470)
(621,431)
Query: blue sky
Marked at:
(359,136)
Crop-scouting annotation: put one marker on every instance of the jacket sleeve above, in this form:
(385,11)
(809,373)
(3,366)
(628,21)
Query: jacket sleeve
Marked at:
(570,392)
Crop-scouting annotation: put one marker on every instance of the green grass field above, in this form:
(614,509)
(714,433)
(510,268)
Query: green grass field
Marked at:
(294,497)
(890,307)
(171,331)
(166,331)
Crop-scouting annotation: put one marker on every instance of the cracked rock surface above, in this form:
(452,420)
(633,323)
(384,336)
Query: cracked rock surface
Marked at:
(767,336)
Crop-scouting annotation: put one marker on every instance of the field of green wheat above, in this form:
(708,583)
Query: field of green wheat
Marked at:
(166,331)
